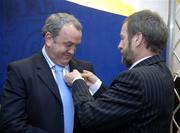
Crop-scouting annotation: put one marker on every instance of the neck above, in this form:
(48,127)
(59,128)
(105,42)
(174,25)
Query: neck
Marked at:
(143,54)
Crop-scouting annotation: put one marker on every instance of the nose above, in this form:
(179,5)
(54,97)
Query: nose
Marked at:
(120,45)
(72,50)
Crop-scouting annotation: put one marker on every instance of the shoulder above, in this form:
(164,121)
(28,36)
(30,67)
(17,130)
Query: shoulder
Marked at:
(129,79)
(137,75)
(78,61)
(26,63)
(130,74)
(81,65)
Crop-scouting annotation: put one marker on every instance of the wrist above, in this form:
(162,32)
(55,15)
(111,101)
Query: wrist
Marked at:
(76,78)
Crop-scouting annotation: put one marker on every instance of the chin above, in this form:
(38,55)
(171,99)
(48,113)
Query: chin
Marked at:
(66,62)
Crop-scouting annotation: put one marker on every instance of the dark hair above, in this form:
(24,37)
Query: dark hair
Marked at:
(56,21)
(152,26)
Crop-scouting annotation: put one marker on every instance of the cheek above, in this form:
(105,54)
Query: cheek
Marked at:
(125,44)
(59,49)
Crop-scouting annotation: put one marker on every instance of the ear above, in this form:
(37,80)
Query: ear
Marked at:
(48,38)
(138,39)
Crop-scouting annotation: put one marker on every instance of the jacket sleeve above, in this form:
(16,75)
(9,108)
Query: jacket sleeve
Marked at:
(13,114)
(117,105)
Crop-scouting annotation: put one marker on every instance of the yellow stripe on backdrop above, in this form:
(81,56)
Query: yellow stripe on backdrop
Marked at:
(127,7)
(112,6)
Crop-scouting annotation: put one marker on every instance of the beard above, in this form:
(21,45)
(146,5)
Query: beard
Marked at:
(127,56)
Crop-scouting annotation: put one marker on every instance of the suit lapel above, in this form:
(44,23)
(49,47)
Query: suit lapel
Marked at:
(45,74)
(74,65)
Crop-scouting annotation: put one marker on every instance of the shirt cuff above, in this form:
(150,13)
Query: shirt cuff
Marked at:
(94,87)
(76,78)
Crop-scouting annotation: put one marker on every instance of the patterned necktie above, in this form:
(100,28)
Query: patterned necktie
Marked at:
(67,100)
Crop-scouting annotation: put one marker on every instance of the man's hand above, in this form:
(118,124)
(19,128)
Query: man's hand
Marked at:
(89,77)
(69,77)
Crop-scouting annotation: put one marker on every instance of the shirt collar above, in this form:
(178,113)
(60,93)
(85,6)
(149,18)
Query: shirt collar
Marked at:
(135,63)
(50,62)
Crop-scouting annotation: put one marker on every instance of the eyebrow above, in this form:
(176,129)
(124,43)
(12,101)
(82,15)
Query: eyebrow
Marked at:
(69,43)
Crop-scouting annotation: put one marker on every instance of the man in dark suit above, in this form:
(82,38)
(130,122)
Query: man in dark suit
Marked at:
(139,100)
(32,102)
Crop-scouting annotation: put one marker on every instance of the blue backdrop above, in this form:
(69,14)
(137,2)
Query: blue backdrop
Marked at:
(20,34)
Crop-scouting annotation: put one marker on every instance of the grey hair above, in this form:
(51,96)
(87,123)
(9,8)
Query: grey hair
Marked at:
(56,21)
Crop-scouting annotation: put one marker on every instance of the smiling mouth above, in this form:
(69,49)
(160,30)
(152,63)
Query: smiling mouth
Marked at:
(68,56)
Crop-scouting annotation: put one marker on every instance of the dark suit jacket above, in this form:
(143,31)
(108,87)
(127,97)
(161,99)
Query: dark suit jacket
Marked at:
(31,102)
(139,100)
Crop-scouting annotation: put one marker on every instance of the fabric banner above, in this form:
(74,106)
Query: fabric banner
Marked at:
(21,23)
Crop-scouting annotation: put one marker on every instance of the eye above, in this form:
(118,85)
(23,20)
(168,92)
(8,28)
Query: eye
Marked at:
(122,37)
(68,44)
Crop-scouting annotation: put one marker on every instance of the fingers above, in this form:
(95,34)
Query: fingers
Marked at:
(69,77)
(86,71)
(86,74)
(76,71)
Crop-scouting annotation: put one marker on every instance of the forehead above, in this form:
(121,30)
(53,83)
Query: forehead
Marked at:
(70,31)
(68,28)
(124,28)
